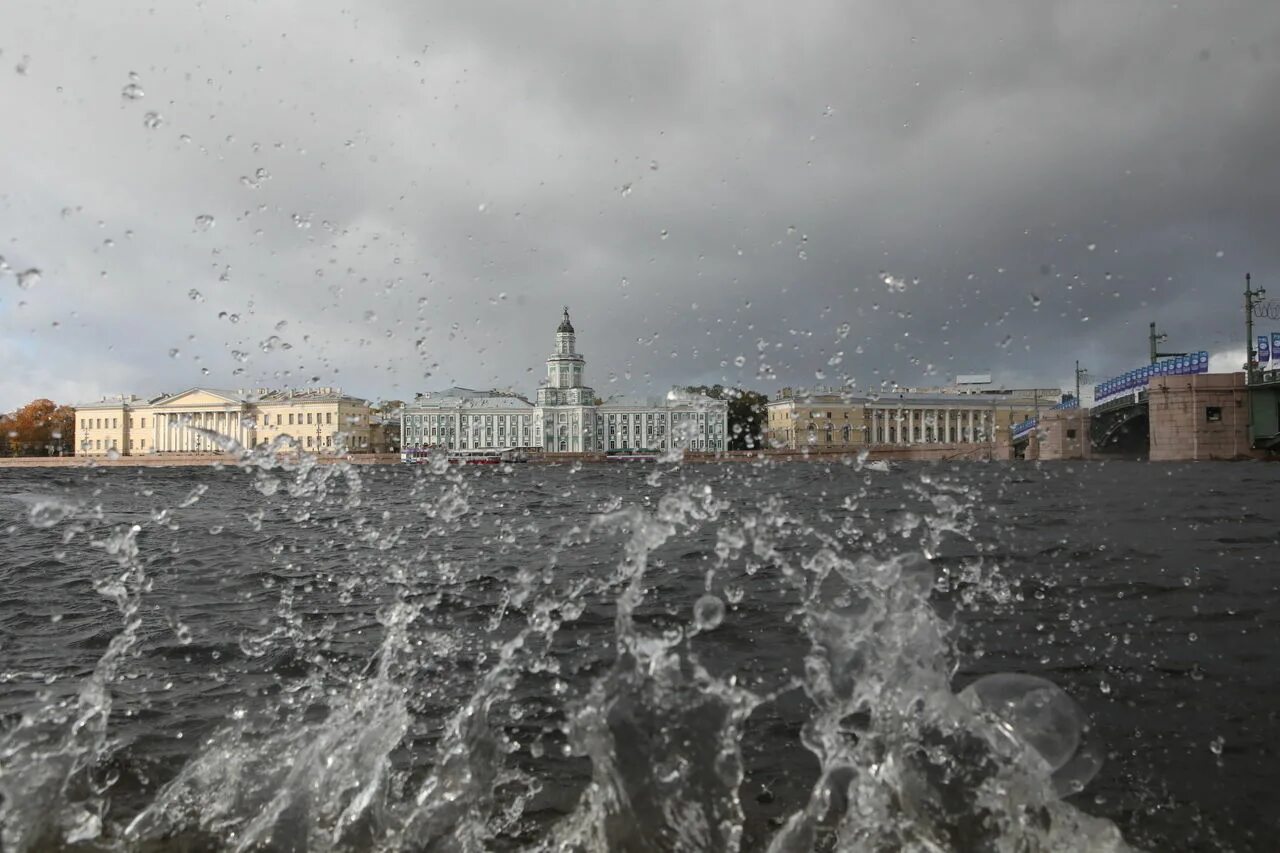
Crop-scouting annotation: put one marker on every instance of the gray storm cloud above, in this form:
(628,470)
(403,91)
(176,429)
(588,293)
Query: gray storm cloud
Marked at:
(404,196)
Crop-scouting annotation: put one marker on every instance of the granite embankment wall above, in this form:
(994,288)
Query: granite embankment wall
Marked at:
(168,460)
(904,453)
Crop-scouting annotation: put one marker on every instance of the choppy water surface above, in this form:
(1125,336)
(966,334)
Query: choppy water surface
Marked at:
(704,657)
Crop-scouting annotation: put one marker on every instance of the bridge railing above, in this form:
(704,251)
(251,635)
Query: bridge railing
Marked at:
(1140,377)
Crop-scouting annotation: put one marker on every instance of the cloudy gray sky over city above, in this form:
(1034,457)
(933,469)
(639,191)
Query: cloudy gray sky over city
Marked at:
(400,196)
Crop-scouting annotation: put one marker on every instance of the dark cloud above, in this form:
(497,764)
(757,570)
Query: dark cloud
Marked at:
(703,183)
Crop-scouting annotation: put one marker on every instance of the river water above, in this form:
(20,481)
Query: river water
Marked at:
(639,657)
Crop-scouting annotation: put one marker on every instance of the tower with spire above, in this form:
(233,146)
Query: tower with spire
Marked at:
(566,404)
(563,385)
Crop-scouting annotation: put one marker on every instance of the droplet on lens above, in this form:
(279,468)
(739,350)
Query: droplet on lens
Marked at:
(708,613)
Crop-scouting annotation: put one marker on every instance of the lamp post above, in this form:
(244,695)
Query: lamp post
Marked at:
(1155,339)
(1251,299)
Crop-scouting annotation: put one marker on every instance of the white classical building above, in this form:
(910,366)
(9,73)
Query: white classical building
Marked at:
(568,417)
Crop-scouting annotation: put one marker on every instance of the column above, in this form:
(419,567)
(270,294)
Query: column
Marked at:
(948,426)
(969,426)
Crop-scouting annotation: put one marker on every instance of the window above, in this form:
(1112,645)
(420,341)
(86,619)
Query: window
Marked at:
(308,417)
(328,417)
(1213,414)
(144,423)
(290,420)
(1071,433)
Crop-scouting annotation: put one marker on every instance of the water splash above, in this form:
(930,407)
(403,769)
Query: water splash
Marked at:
(473,727)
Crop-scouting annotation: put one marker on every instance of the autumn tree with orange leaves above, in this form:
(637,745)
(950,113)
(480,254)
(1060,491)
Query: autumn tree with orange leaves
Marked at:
(40,428)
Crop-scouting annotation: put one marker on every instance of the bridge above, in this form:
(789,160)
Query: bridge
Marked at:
(1171,410)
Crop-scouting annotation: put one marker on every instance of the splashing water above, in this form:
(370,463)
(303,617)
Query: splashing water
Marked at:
(555,700)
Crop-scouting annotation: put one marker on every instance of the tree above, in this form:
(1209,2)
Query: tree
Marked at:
(7,435)
(747,413)
(387,409)
(41,428)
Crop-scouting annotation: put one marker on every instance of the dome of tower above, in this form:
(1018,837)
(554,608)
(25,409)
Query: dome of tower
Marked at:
(565,325)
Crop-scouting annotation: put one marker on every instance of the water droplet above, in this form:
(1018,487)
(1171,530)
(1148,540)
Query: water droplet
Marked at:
(1034,299)
(1092,247)
(204,222)
(626,190)
(482,207)
(195,295)
(1215,745)
(653,165)
(1041,715)
(664,234)
(708,613)
(113,454)
(842,331)
(740,361)
(22,65)
(270,343)
(175,353)
(29,278)
(1219,253)
(48,512)
(152,120)
(132,92)
(894,283)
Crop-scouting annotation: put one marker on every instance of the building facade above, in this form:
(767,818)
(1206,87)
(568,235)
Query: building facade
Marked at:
(838,421)
(323,420)
(567,417)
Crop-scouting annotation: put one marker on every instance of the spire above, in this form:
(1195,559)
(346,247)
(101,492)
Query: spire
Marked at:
(565,325)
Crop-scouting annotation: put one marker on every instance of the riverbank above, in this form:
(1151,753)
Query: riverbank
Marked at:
(914,453)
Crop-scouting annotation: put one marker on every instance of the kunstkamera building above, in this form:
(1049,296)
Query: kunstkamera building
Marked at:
(567,417)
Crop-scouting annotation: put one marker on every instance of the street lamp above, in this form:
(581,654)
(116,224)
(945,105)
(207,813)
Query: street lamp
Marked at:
(1251,299)
(1081,375)
(1155,339)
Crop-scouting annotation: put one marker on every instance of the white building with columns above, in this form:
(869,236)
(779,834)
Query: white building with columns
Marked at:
(566,417)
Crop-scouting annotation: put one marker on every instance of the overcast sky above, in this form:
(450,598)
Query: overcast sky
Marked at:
(404,194)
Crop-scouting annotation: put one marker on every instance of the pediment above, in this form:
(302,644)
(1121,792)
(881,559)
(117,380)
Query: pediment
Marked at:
(200,397)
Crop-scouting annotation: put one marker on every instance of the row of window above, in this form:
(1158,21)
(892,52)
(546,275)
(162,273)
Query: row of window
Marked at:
(141,422)
(938,414)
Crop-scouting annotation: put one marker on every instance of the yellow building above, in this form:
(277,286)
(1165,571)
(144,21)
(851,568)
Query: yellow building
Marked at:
(835,421)
(322,420)
(826,421)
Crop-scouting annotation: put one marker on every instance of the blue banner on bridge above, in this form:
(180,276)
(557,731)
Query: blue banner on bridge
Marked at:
(1264,349)
(1140,377)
